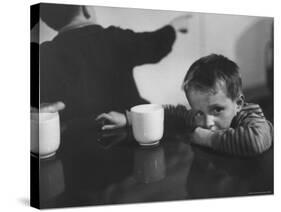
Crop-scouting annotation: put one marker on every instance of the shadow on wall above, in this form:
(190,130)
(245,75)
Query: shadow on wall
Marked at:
(251,53)
(254,52)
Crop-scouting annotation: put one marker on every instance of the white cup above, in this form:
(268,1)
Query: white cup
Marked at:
(148,123)
(45,134)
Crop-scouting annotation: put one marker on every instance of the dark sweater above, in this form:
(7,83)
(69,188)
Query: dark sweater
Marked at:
(249,134)
(90,68)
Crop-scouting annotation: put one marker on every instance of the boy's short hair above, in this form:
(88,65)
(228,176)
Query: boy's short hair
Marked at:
(205,73)
(57,16)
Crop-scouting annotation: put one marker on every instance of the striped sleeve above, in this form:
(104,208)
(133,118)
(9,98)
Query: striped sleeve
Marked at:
(255,137)
(179,118)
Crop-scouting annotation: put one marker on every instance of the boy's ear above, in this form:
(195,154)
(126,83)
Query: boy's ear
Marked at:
(86,12)
(240,102)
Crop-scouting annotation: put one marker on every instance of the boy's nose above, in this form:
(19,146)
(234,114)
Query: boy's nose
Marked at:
(209,121)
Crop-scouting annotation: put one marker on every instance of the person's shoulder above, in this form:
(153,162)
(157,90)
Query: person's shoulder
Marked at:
(251,108)
(74,33)
(118,30)
(90,28)
(249,113)
(45,44)
(46,47)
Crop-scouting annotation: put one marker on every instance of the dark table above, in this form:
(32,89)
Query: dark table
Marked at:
(96,168)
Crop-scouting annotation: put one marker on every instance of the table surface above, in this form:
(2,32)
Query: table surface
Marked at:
(96,168)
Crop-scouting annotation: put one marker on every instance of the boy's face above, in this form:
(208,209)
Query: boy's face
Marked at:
(216,109)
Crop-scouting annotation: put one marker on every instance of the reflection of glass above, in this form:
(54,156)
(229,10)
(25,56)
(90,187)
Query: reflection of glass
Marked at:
(51,179)
(108,139)
(149,164)
(215,176)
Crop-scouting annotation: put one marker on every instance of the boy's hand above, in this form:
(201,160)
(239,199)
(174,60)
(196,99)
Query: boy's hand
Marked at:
(202,137)
(199,119)
(112,120)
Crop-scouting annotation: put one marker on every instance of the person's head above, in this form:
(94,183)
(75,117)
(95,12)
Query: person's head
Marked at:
(213,86)
(57,16)
(34,15)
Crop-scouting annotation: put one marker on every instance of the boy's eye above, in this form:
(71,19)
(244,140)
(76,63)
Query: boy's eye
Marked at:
(199,114)
(217,110)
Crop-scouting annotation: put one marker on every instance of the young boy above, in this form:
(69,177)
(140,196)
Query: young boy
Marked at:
(219,118)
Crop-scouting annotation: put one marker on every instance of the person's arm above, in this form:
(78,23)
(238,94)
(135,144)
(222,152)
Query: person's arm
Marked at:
(112,120)
(176,118)
(245,140)
(139,48)
(51,75)
(252,138)
(179,118)
(54,82)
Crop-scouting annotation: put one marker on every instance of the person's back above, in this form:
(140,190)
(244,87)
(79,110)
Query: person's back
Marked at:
(96,61)
(89,68)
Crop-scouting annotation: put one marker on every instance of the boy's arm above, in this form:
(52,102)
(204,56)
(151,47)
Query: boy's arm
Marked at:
(249,140)
(178,118)
(254,138)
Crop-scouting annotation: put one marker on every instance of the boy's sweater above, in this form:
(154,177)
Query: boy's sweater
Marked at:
(249,134)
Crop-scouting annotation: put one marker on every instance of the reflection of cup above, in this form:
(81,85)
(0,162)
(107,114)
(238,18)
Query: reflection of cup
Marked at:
(149,164)
(45,134)
(147,123)
(51,179)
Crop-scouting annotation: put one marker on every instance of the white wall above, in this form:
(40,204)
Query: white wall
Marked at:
(240,38)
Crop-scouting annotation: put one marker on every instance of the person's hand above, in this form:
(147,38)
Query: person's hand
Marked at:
(201,137)
(180,24)
(49,107)
(112,120)
(199,119)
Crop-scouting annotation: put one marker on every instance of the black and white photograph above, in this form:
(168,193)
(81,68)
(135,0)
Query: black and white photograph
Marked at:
(132,105)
